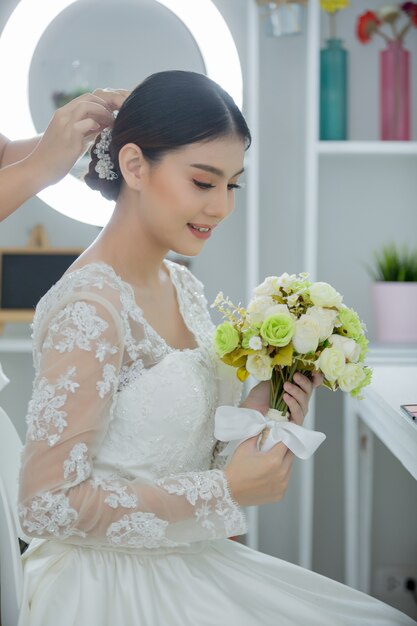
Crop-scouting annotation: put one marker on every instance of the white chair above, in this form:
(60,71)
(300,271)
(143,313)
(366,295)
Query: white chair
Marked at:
(11,573)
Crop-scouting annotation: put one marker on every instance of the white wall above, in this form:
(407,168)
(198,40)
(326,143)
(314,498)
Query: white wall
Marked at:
(358,212)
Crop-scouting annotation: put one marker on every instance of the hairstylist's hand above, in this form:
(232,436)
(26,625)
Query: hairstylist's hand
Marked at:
(297,396)
(70,131)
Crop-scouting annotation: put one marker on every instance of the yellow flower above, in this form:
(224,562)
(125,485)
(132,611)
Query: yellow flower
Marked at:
(331,6)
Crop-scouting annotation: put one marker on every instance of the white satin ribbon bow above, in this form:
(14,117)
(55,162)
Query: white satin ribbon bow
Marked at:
(236,424)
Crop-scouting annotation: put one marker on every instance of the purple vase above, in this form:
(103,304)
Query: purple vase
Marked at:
(394,63)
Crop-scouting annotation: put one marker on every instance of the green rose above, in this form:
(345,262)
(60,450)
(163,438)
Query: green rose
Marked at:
(351,324)
(226,339)
(363,344)
(366,381)
(278,330)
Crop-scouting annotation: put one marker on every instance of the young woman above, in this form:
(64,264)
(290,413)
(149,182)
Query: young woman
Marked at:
(29,165)
(122,487)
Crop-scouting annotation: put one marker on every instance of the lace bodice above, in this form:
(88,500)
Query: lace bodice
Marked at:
(120,448)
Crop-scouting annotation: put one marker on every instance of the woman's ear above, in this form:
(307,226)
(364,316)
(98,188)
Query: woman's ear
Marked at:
(132,165)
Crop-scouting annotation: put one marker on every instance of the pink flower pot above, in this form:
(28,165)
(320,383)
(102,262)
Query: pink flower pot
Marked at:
(395,311)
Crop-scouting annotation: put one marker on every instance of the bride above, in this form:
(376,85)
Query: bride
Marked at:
(122,488)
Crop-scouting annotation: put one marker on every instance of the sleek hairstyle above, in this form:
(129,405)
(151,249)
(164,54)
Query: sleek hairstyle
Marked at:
(164,112)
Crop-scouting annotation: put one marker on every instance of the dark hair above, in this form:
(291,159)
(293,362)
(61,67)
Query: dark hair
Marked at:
(164,112)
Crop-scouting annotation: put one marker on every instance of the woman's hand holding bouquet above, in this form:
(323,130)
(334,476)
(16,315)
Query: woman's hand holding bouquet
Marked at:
(292,330)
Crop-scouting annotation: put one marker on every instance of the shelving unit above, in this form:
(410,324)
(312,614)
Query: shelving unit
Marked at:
(317,153)
(367,147)
(15,346)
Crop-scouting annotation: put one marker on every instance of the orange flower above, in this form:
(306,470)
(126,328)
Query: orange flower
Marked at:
(366,26)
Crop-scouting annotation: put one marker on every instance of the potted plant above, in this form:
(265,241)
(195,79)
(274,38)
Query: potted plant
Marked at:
(394,294)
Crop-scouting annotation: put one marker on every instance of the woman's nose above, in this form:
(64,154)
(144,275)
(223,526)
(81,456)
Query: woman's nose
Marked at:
(221,205)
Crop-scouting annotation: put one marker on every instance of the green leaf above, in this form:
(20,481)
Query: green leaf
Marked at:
(394,264)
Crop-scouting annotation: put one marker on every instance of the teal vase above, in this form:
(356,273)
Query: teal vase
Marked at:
(333,91)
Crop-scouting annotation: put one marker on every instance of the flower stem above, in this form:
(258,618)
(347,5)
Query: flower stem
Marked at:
(404,31)
(279,376)
(383,35)
(332,25)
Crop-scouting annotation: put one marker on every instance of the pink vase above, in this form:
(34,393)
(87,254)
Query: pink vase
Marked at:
(394,90)
(395,306)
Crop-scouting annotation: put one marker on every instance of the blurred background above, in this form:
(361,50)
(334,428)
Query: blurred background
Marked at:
(364,199)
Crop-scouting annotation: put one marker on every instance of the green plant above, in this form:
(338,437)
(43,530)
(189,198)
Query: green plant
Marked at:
(394,264)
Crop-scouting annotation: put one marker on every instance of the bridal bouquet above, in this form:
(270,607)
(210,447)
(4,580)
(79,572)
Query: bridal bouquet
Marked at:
(290,325)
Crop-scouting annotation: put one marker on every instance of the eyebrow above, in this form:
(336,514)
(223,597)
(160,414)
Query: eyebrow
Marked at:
(214,170)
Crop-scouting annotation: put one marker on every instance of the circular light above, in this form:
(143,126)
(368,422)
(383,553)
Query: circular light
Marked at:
(18,41)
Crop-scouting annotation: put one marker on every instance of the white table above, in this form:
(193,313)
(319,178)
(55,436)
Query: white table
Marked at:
(394,383)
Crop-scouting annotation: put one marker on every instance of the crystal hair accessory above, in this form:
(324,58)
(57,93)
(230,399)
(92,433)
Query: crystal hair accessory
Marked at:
(104,166)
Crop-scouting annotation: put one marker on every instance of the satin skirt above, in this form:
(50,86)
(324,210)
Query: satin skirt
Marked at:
(217,582)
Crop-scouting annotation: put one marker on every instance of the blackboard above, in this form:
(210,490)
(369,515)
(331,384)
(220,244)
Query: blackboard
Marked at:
(27,276)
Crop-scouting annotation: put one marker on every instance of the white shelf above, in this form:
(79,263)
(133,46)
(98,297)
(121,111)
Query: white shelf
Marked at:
(17,345)
(389,353)
(367,147)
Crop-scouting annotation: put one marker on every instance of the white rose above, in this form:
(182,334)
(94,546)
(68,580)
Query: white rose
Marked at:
(259,365)
(351,377)
(286,281)
(255,343)
(323,294)
(326,319)
(293,299)
(257,308)
(332,363)
(269,287)
(306,335)
(348,346)
(277,309)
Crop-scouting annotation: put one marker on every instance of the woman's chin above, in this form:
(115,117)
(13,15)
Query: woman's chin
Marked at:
(192,249)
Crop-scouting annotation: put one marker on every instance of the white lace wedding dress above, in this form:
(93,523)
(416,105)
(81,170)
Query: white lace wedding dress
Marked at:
(121,486)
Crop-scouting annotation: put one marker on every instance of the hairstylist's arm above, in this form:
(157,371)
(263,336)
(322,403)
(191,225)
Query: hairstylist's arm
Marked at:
(30,165)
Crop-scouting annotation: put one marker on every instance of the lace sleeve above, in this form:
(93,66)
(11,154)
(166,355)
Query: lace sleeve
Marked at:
(74,394)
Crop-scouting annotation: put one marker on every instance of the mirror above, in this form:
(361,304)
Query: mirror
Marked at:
(106,43)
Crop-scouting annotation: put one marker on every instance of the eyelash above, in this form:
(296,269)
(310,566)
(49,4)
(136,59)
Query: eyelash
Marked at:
(208,186)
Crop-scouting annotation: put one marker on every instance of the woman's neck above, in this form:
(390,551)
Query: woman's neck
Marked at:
(125,245)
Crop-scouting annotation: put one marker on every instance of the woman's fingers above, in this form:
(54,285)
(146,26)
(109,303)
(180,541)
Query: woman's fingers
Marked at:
(100,105)
(317,379)
(86,109)
(87,129)
(297,411)
(297,397)
(303,382)
(113,98)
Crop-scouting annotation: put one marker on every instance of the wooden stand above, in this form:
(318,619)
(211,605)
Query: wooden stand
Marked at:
(38,244)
